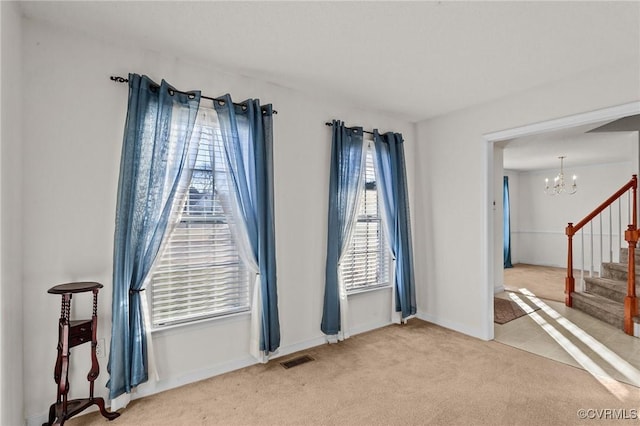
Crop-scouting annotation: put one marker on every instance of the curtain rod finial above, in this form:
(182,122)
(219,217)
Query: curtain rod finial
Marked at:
(118,79)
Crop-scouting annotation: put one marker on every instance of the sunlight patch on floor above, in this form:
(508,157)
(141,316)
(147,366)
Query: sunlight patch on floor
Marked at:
(615,387)
(626,369)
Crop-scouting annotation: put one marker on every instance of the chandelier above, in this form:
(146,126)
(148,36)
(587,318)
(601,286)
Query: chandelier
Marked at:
(559,185)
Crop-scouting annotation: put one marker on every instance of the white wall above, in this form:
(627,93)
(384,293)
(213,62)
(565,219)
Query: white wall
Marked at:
(74,118)
(542,219)
(11,330)
(453,194)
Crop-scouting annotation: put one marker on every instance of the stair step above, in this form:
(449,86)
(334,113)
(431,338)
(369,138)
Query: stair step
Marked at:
(617,271)
(599,307)
(624,255)
(611,289)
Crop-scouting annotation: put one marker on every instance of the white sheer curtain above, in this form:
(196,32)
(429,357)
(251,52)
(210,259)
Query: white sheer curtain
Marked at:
(233,212)
(342,288)
(396,317)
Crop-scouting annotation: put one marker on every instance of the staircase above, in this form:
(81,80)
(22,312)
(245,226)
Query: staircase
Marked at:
(612,297)
(603,297)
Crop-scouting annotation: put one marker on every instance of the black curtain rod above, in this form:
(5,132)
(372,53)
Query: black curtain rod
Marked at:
(364,131)
(119,79)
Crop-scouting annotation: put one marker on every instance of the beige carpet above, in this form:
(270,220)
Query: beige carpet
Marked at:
(545,282)
(416,374)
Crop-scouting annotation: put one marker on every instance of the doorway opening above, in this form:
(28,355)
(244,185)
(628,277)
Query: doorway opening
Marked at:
(547,327)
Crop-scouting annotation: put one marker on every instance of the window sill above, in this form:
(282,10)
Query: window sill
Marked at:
(222,318)
(368,290)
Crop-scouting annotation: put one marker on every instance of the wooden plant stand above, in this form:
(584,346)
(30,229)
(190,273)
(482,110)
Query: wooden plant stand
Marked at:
(73,333)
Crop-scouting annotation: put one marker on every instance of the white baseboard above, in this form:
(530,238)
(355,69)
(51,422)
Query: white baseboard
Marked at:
(152,388)
(368,327)
(498,289)
(41,419)
(300,346)
(452,325)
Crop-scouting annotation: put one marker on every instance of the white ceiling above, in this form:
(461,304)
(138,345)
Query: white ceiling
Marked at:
(540,152)
(415,60)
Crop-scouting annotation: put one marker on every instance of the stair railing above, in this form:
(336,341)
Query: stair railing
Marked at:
(631,236)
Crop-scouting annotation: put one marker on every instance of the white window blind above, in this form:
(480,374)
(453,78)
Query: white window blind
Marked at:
(199,273)
(366,262)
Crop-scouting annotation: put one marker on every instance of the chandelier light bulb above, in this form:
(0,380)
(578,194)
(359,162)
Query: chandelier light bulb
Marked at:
(558,183)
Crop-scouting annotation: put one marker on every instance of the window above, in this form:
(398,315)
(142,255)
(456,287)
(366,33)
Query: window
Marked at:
(366,263)
(199,273)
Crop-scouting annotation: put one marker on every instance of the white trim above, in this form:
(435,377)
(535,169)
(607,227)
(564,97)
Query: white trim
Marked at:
(498,289)
(152,388)
(609,113)
(172,383)
(542,232)
(486,245)
(179,325)
(238,364)
(300,346)
(370,326)
(456,326)
(42,419)
(368,289)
